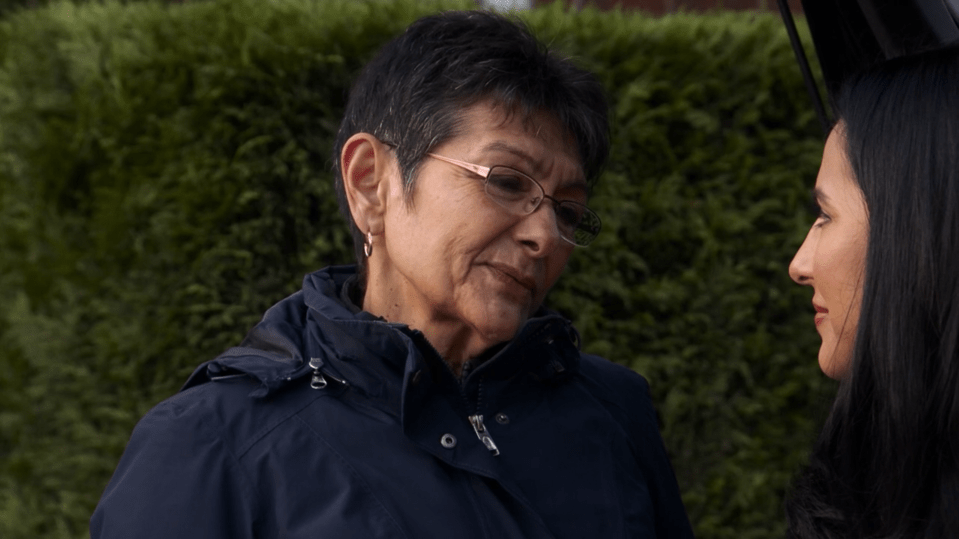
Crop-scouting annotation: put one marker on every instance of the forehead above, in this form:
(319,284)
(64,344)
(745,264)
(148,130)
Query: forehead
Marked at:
(489,118)
(535,139)
(836,181)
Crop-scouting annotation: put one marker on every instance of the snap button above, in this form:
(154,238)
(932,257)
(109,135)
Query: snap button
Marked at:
(448,441)
(502,418)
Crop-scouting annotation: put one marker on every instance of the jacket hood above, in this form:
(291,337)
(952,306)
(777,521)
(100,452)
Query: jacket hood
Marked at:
(319,323)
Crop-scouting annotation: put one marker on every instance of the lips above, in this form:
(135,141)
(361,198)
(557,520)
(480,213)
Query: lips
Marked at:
(820,313)
(510,273)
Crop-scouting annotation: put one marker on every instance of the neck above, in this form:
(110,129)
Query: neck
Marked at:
(455,341)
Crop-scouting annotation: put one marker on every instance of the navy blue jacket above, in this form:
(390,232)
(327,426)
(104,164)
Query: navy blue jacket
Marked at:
(329,422)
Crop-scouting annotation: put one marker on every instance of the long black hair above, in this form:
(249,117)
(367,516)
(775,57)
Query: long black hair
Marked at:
(886,464)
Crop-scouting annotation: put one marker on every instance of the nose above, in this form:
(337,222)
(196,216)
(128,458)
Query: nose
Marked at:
(539,231)
(800,268)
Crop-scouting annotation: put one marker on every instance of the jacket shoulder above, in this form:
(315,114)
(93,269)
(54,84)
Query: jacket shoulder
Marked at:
(180,451)
(626,396)
(618,387)
(190,448)
(235,407)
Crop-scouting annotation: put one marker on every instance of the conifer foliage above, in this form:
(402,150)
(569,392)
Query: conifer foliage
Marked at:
(165,177)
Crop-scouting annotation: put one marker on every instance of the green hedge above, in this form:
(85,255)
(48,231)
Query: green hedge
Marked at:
(165,176)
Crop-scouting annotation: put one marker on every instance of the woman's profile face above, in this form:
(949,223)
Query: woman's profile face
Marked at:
(832,258)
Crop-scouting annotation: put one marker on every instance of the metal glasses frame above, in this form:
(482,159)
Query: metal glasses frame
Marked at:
(484,172)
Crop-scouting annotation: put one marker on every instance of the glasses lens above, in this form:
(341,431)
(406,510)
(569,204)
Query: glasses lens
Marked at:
(521,195)
(576,222)
(513,190)
(587,226)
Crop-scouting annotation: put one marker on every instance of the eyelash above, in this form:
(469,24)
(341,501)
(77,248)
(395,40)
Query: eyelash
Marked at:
(820,215)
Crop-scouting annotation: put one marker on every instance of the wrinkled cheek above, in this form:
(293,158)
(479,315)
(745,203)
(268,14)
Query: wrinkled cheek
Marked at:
(553,276)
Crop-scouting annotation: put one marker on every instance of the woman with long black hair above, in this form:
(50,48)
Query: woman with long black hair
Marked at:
(883,260)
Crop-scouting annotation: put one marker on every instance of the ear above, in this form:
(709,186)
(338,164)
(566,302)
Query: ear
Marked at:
(367,165)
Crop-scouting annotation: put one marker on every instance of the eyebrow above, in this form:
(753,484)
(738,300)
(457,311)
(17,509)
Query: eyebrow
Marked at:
(503,146)
(535,165)
(819,196)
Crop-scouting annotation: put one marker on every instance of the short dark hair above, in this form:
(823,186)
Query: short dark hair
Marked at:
(887,461)
(414,92)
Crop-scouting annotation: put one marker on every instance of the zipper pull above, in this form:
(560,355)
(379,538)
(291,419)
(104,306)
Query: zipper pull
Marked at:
(319,381)
(483,434)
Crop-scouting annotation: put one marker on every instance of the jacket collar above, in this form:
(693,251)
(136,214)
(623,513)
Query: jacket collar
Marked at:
(373,356)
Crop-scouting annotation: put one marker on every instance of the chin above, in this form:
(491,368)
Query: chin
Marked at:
(500,325)
(497,333)
(829,366)
(827,370)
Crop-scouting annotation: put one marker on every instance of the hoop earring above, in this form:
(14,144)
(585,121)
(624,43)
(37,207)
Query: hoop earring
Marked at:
(368,244)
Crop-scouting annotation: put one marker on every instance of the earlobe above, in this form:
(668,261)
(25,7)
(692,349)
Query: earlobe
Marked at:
(366,166)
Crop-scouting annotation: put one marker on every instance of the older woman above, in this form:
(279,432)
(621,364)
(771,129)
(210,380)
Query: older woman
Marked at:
(882,259)
(425,392)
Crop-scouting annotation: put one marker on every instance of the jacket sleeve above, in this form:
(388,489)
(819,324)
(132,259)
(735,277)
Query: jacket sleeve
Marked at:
(177,478)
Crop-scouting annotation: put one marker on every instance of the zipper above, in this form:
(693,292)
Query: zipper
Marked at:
(475,420)
(483,435)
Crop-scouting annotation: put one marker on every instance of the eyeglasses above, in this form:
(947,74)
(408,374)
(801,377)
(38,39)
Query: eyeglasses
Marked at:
(521,195)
